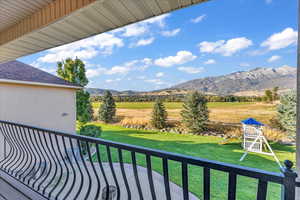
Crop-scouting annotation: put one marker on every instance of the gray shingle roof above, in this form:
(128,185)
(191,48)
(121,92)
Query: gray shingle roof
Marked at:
(18,71)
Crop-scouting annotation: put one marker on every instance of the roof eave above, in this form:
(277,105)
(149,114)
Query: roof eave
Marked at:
(40,84)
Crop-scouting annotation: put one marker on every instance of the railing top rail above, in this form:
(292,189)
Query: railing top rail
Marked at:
(215,165)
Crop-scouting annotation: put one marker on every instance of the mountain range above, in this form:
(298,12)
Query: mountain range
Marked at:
(241,83)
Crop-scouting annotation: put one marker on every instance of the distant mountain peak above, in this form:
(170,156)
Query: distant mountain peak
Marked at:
(256,79)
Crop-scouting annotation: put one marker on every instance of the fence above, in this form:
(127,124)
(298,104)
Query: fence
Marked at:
(67,166)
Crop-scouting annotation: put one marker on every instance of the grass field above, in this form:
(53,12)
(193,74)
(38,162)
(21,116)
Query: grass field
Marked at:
(228,112)
(204,147)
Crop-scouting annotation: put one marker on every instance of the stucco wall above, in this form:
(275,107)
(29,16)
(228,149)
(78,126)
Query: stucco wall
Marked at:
(45,107)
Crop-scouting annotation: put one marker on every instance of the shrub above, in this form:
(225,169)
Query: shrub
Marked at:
(91,131)
(107,110)
(195,112)
(159,115)
(135,122)
(274,135)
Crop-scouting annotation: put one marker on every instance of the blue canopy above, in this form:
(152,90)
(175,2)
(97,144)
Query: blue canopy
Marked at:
(251,121)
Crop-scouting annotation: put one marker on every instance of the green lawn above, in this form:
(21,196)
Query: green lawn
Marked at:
(204,147)
(171,105)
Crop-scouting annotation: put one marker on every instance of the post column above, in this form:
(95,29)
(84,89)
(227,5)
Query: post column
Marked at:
(298,107)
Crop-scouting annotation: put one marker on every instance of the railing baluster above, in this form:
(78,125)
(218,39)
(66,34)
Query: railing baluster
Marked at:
(95,172)
(102,169)
(61,174)
(45,148)
(24,153)
(124,174)
(30,168)
(57,162)
(12,148)
(86,169)
(40,155)
(43,158)
(18,149)
(262,190)
(36,151)
(80,172)
(206,183)
(150,176)
(166,178)
(32,172)
(136,176)
(232,186)
(72,167)
(185,180)
(54,163)
(113,172)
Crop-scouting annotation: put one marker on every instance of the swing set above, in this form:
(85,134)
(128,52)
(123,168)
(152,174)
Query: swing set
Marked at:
(254,139)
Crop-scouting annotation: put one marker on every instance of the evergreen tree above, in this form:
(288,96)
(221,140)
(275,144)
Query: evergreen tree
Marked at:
(286,112)
(74,72)
(195,112)
(159,115)
(107,110)
(268,96)
(275,93)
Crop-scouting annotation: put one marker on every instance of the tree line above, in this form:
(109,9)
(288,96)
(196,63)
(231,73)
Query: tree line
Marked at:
(178,98)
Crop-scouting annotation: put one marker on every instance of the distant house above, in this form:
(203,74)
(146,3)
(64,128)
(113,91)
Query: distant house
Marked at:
(34,97)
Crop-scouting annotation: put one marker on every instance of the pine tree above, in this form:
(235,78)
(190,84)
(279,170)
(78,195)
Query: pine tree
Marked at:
(268,96)
(286,112)
(195,112)
(107,110)
(275,93)
(74,72)
(159,115)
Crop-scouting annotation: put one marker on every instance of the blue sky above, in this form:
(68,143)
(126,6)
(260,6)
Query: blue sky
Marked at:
(214,38)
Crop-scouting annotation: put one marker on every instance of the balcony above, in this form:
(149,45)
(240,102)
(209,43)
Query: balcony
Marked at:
(44,164)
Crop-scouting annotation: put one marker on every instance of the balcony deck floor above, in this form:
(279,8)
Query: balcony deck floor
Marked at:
(7,192)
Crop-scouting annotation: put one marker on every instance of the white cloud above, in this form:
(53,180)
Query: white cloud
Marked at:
(113,80)
(141,77)
(147,61)
(180,58)
(83,49)
(118,70)
(191,70)
(226,48)
(91,73)
(273,58)
(171,33)
(158,20)
(134,30)
(159,74)
(39,66)
(142,27)
(123,69)
(198,19)
(268,1)
(143,42)
(281,40)
(209,62)
(244,64)
(156,81)
(72,53)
